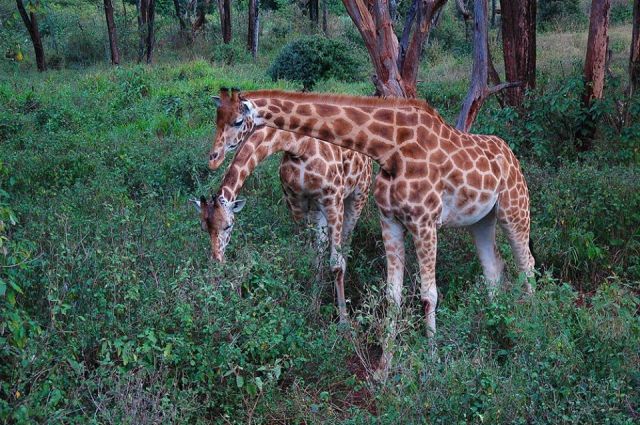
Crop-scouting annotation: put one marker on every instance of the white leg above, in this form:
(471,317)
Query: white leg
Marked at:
(484,236)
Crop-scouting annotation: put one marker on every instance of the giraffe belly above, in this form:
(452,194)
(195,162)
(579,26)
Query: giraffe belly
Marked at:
(453,216)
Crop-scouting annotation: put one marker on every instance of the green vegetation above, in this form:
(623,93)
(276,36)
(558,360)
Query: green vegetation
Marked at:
(110,311)
(314,58)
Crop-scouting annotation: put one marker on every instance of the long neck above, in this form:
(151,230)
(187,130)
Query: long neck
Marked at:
(263,143)
(372,126)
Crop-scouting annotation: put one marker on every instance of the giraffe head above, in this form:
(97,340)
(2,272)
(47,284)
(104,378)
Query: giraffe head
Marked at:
(217,218)
(234,124)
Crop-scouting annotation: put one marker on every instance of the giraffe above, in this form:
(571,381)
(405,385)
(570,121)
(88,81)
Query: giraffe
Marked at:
(431,175)
(323,182)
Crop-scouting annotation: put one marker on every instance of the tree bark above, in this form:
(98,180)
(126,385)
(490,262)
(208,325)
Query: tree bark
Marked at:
(30,21)
(111,29)
(479,90)
(634,56)
(314,11)
(201,12)
(594,67)
(146,20)
(597,44)
(254,27)
(151,35)
(396,68)
(325,18)
(519,46)
(180,15)
(224,8)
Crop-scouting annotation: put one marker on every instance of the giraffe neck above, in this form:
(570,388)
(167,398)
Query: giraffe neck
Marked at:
(262,144)
(372,126)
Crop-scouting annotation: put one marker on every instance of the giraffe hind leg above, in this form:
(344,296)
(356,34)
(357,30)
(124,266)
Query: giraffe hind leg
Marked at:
(515,225)
(484,237)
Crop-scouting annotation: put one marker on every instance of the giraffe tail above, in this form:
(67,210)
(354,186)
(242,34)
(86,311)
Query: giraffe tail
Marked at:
(536,260)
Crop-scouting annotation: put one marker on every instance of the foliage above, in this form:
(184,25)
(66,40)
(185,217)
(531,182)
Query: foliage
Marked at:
(554,12)
(587,220)
(621,11)
(313,58)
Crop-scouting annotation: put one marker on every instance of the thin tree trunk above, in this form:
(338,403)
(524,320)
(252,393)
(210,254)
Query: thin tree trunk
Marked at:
(224,8)
(141,6)
(30,21)
(594,66)
(314,11)
(634,56)
(519,46)
(111,29)
(201,19)
(325,18)
(254,29)
(151,35)
(479,90)
(179,15)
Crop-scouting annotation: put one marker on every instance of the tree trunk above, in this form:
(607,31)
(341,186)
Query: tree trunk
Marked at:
(201,12)
(151,36)
(325,18)
(146,20)
(396,68)
(224,8)
(594,66)
(31,23)
(180,15)
(519,46)
(634,56)
(254,27)
(111,29)
(314,11)
(479,90)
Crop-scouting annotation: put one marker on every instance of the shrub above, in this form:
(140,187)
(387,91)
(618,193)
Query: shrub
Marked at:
(558,11)
(621,11)
(84,48)
(586,222)
(310,59)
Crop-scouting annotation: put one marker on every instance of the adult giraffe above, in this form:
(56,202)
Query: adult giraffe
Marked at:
(431,175)
(323,182)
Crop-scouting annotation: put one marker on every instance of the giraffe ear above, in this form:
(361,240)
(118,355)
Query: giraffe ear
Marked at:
(244,107)
(238,205)
(196,204)
(217,101)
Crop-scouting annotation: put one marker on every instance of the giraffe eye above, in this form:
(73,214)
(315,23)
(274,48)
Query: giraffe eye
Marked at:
(237,123)
(228,227)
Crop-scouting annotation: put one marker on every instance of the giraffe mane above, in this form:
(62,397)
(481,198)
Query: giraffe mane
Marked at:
(346,100)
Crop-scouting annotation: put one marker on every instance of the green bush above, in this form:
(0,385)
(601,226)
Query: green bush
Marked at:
(586,221)
(621,11)
(310,59)
(553,12)
(84,48)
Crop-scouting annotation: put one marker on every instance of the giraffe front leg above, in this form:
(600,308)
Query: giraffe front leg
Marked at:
(333,209)
(353,206)
(425,241)
(393,237)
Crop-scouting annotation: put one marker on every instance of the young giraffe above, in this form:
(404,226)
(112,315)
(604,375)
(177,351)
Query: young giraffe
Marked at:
(431,175)
(321,181)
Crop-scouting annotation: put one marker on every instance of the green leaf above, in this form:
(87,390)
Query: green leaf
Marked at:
(239,381)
